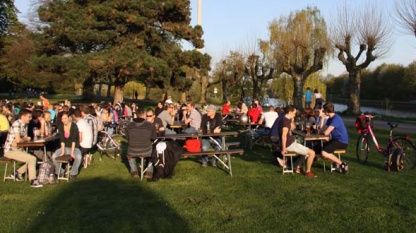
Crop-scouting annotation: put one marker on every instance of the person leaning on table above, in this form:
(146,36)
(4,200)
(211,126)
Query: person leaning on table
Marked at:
(335,128)
(18,133)
(289,143)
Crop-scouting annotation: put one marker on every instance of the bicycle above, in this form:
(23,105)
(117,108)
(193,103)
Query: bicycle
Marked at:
(396,144)
(109,144)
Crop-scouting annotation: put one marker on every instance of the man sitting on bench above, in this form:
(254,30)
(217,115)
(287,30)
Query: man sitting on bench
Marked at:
(211,123)
(140,135)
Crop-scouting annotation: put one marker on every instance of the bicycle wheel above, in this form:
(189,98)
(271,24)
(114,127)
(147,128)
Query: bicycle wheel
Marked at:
(409,150)
(112,147)
(363,148)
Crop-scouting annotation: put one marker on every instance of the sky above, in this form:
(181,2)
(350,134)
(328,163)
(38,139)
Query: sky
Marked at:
(234,25)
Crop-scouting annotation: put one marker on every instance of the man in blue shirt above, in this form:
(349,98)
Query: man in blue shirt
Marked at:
(339,137)
(308,98)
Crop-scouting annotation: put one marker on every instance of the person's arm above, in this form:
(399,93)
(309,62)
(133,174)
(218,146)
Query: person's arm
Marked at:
(218,123)
(328,130)
(285,132)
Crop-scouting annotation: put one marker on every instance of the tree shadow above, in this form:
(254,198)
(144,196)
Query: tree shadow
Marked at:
(107,205)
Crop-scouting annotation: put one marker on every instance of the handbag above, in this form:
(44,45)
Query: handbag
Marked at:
(192,145)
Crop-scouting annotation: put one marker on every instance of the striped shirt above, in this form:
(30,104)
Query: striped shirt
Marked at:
(195,117)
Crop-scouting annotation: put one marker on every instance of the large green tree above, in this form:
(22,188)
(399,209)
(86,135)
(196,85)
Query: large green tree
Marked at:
(7,15)
(119,40)
(298,45)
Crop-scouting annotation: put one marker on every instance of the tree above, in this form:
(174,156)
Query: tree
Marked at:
(120,41)
(366,31)
(7,15)
(299,44)
(406,15)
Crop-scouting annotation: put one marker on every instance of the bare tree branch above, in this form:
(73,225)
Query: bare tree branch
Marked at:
(405,15)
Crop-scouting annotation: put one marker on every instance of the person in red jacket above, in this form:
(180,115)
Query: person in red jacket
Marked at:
(254,113)
(226,108)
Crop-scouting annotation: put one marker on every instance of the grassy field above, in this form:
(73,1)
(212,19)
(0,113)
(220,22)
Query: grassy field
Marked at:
(257,198)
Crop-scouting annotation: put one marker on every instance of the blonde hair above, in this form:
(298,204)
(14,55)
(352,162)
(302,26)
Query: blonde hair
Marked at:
(47,115)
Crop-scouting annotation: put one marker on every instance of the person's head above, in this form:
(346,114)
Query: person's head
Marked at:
(47,116)
(37,115)
(65,118)
(190,106)
(211,110)
(309,112)
(308,88)
(319,111)
(42,96)
(271,109)
(254,105)
(329,108)
(150,115)
(315,91)
(227,102)
(77,114)
(290,111)
(25,115)
(141,113)
(169,107)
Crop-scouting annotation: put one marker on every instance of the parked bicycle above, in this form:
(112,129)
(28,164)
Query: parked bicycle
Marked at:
(398,146)
(109,144)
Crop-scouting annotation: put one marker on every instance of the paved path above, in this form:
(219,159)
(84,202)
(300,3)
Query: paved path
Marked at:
(403,127)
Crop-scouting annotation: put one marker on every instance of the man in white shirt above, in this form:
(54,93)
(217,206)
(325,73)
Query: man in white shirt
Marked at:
(268,118)
(85,132)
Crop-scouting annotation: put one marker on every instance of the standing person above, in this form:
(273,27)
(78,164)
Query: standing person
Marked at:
(193,118)
(45,101)
(18,133)
(319,99)
(85,133)
(211,123)
(140,135)
(339,137)
(69,137)
(289,143)
(308,97)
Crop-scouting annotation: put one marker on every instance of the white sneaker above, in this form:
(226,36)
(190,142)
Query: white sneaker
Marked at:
(281,162)
(36,184)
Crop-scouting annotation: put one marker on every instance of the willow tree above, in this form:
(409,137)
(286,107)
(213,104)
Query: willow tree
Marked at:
(299,45)
(406,15)
(365,31)
(126,38)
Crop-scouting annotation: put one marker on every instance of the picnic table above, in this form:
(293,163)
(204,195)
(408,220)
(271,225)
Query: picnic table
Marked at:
(40,143)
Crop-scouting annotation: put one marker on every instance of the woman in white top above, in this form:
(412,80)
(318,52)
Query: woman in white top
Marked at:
(319,99)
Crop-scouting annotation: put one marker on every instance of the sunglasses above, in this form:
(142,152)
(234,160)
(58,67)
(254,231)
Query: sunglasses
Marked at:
(149,115)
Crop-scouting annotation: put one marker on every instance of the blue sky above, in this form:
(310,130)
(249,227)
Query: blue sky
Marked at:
(235,24)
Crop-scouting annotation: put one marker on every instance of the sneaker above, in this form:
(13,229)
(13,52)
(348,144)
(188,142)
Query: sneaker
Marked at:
(16,175)
(36,184)
(214,165)
(204,165)
(310,175)
(336,166)
(281,162)
(344,168)
(299,170)
(135,174)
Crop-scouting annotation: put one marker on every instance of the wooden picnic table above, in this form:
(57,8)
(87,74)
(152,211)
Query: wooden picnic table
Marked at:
(39,143)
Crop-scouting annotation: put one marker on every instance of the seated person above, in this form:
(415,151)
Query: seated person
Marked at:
(268,118)
(168,117)
(211,123)
(140,135)
(38,122)
(156,121)
(226,108)
(69,137)
(193,118)
(289,143)
(18,133)
(254,113)
(159,108)
(339,137)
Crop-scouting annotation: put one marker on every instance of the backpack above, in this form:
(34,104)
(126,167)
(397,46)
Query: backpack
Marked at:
(395,160)
(192,145)
(46,173)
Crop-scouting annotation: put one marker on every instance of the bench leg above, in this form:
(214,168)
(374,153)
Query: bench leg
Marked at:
(226,162)
(288,169)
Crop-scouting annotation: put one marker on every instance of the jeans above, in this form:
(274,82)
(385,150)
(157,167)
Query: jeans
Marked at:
(133,162)
(190,130)
(75,165)
(206,144)
(253,135)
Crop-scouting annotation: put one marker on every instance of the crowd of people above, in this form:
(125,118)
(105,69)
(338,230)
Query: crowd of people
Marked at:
(78,128)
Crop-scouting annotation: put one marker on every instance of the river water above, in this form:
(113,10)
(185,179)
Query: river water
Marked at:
(395,113)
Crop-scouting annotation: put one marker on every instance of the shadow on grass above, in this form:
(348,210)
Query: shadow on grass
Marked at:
(107,205)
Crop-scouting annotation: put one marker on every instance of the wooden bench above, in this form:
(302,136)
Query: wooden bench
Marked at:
(286,168)
(225,161)
(64,159)
(141,157)
(229,144)
(7,161)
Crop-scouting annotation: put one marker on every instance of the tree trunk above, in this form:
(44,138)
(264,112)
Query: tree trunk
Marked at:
(224,90)
(204,84)
(183,97)
(256,91)
(109,89)
(298,90)
(147,93)
(354,91)
(119,84)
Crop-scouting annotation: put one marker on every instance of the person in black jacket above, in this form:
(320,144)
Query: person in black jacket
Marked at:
(140,135)
(211,124)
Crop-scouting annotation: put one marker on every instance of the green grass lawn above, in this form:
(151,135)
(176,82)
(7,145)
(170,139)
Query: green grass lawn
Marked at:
(257,198)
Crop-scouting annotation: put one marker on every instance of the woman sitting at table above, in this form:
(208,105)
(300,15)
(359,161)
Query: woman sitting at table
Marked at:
(69,137)
(107,118)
